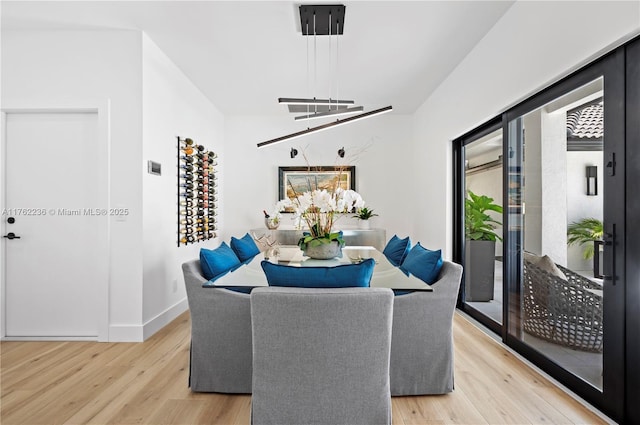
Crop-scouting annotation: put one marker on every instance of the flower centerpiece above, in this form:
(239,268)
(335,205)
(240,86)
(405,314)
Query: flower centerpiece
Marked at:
(319,209)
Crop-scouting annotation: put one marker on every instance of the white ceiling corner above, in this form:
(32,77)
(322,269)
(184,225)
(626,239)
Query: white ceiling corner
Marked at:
(243,55)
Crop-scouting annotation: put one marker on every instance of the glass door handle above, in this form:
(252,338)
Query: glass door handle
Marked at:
(610,244)
(11,235)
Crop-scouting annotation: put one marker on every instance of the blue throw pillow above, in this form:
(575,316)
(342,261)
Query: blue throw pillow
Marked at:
(347,275)
(423,263)
(245,248)
(397,249)
(216,262)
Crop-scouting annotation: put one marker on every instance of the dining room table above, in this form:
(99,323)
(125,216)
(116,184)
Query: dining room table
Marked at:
(385,274)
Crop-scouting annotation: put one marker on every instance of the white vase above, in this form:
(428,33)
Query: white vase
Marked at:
(364,224)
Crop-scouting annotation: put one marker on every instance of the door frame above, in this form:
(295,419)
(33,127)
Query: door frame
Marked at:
(101,107)
(632,408)
(620,390)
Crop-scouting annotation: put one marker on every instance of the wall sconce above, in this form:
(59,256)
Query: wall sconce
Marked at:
(293,152)
(592,180)
(341,152)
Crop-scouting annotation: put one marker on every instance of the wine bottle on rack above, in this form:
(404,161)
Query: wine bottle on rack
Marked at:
(187,212)
(187,221)
(200,148)
(186,176)
(188,150)
(187,230)
(187,167)
(188,141)
(185,158)
(187,203)
(212,155)
(189,186)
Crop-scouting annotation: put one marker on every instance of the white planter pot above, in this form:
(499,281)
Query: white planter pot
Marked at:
(364,224)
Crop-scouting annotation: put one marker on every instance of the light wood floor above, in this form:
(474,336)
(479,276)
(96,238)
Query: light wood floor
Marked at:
(146,383)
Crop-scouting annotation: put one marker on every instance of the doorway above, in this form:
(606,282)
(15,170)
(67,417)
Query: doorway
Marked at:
(55,224)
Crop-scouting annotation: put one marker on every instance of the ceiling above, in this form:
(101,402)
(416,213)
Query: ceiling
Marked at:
(244,55)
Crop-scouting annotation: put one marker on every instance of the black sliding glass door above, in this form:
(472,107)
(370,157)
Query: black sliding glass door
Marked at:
(564,167)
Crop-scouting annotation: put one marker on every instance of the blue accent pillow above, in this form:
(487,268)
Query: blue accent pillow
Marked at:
(216,262)
(423,263)
(245,247)
(343,276)
(397,249)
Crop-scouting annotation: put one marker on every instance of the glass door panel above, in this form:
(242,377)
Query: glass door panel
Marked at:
(483,283)
(556,207)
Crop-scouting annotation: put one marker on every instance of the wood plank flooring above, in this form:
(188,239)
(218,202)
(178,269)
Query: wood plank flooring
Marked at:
(146,383)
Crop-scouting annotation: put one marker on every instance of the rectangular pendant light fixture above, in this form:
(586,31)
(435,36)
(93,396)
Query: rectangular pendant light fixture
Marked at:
(325,126)
(334,112)
(314,101)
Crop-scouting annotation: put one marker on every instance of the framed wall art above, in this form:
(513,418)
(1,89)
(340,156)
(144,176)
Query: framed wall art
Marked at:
(293,181)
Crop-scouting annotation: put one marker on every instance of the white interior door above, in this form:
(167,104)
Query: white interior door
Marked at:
(51,277)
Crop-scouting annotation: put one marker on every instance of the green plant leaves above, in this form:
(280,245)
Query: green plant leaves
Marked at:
(584,232)
(479,225)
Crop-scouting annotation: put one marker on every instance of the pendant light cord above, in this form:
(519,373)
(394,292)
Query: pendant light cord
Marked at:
(315,62)
(337,61)
(330,82)
(308,94)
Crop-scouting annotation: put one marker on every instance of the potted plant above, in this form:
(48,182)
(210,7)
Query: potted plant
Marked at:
(480,246)
(587,232)
(363,215)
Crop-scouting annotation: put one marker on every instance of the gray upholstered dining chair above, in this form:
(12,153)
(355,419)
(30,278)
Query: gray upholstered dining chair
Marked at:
(422,345)
(321,356)
(220,359)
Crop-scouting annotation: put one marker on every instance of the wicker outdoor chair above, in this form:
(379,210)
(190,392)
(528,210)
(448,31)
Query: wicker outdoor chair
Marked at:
(562,311)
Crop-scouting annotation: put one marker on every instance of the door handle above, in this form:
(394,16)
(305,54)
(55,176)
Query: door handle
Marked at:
(610,266)
(11,235)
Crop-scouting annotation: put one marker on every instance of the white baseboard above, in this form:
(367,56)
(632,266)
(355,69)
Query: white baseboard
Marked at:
(163,319)
(125,333)
(139,333)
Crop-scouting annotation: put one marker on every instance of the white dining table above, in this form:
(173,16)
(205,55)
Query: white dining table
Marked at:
(385,274)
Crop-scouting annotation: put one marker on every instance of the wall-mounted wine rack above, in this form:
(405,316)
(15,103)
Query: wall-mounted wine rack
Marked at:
(197,192)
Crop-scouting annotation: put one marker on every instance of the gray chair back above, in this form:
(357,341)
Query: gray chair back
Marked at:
(321,356)
(220,358)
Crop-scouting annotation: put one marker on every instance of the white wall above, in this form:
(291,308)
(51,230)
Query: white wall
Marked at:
(532,124)
(379,147)
(171,106)
(533,44)
(63,66)
(554,185)
(151,103)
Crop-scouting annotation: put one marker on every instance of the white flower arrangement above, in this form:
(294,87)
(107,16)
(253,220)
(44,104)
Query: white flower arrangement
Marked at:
(318,209)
